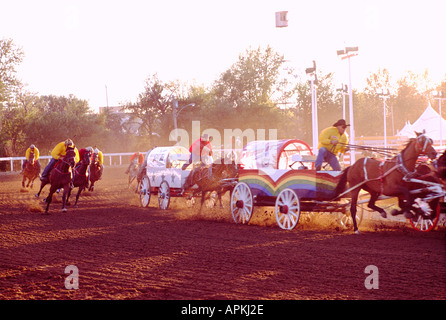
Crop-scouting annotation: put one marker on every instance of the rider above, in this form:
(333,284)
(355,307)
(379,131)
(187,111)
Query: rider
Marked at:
(140,157)
(332,141)
(60,150)
(31,150)
(196,150)
(99,159)
(83,151)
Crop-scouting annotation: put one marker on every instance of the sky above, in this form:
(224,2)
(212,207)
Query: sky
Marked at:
(102,51)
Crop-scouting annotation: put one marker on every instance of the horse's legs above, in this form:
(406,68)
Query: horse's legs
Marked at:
(49,198)
(81,188)
(354,194)
(66,190)
(42,184)
(373,197)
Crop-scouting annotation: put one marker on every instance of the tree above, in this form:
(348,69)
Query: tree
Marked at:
(10,57)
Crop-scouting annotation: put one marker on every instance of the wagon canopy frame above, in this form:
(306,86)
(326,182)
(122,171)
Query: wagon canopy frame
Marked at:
(275,154)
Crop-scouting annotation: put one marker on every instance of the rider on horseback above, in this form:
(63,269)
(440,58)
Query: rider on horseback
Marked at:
(32,150)
(136,155)
(59,151)
(99,157)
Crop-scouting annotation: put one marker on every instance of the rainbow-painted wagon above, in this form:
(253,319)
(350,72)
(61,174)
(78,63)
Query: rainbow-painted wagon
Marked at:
(281,173)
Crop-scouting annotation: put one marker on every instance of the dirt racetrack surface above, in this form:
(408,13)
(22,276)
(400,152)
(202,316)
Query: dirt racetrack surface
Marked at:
(124,251)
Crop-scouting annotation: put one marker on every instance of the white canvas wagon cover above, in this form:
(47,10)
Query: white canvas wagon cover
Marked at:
(168,157)
(272,154)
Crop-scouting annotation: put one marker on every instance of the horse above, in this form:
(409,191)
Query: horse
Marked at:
(31,171)
(386,178)
(60,177)
(95,172)
(440,166)
(211,178)
(80,179)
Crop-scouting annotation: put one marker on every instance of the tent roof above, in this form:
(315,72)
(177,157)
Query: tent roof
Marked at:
(429,121)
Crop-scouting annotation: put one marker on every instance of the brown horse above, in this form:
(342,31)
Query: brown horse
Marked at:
(60,177)
(95,172)
(440,166)
(80,179)
(210,179)
(385,178)
(31,171)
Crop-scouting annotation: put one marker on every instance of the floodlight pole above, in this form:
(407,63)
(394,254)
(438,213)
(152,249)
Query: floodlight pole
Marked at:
(439,96)
(347,54)
(384,96)
(311,72)
(344,91)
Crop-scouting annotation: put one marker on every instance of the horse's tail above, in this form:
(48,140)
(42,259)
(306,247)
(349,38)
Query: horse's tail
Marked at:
(341,186)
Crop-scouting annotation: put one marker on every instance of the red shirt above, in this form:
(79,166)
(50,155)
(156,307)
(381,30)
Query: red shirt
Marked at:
(198,145)
(140,159)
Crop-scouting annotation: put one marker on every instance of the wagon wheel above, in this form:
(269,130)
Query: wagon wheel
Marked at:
(144,191)
(164,195)
(427,223)
(241,203)
(287,209)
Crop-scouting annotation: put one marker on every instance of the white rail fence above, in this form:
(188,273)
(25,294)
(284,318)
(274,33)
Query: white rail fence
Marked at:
(111,159)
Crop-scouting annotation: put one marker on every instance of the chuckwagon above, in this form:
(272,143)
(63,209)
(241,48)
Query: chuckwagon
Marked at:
(164,175)
(281,174)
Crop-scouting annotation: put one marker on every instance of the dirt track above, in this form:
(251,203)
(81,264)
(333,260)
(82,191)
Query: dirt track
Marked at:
(123,251)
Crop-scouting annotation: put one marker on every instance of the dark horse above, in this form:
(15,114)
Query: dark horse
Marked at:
(385,178)
(80,179)
(440,166)
(95,172)
(210,179)
(30,172)
(60,177)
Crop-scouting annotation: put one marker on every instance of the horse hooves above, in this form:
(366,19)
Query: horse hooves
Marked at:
(64,210)
(36,195)
(357,232)
(395,212)
(383,214)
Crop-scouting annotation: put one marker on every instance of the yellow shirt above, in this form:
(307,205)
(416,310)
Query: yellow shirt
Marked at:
(60,151)
(100,158)
(28,152)
(332,133)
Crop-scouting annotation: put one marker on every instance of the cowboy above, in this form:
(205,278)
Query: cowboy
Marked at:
(60,150)
(200,149)
(332,141)
(32,150)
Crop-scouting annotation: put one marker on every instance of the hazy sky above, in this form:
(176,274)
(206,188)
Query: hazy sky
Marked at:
(80,47)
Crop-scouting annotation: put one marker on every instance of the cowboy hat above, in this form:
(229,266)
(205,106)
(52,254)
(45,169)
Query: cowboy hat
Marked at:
(340,122)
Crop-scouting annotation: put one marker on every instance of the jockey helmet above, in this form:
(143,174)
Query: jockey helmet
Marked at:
(96,150)
(89,149)
(32,146)
(68,143)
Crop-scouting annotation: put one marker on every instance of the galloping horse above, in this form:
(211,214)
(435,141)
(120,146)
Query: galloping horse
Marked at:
(95,172)
(30,172)
(386,178)
(80,179)
(60,177)
(210,179)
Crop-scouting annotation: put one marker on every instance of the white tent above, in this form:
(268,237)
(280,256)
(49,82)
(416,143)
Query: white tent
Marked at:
(429,121)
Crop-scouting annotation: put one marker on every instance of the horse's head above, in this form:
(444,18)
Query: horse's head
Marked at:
(31,160)
(87,157)
(69,157)
(423,145)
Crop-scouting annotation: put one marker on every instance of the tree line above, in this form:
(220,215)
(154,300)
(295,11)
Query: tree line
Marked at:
(257,92)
